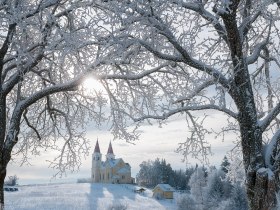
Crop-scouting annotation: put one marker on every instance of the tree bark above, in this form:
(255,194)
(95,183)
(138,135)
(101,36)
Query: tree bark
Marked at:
(261,189)
(2,139)
(2,179)
(260,180)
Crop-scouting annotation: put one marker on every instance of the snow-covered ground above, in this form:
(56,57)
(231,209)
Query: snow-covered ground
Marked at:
(83,197)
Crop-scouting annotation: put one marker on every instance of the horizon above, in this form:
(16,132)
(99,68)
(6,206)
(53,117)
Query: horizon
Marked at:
(154,142)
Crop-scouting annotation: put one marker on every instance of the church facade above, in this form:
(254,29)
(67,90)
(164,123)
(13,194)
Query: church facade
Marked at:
(112,170)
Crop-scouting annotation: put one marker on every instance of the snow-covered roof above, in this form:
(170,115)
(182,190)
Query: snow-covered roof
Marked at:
(165,187)
(123,170)
(113,162)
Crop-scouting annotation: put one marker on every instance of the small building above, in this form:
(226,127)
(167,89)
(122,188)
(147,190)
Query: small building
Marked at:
(163,191)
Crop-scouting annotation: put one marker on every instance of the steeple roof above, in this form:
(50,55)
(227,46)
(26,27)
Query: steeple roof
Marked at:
(110,149)
(97,149)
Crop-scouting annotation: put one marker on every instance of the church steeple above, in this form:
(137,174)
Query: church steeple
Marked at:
(110,149)
(110,153)
(96,164)
(97,149)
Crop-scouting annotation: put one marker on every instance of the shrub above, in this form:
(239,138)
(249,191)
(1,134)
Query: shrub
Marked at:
(118,206)
(186,202)
(12,180)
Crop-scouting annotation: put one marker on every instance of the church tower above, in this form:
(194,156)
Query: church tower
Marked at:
(110,154)
(96,164)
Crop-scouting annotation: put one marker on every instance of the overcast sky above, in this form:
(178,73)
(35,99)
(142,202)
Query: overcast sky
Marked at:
(154,142)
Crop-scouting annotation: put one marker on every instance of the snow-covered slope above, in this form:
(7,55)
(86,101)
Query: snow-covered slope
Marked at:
(83,197)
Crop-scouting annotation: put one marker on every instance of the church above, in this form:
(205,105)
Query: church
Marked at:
(112,170)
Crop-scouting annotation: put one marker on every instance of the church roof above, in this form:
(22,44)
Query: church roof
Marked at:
(97,149)
(123,171)
(114,162)
(110,149)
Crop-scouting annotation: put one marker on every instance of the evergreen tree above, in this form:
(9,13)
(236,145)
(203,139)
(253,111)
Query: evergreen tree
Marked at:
(144,176)
(189,172)
(180,180)
(225,164)
(215,189)
(155,172)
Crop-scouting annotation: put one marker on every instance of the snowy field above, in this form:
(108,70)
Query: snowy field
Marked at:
(83,197)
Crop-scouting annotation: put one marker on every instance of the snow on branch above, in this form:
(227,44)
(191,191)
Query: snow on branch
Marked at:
(246,24)
(257,50)
(272,152)
(187,108)
(188,60)
(132,76)
(199,8)
(196,91)
(264,123)
(196,145)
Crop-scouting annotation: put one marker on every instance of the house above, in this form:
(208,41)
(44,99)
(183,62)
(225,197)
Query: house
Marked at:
(112,170)
(163,191)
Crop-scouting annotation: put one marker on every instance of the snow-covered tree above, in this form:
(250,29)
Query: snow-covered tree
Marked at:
(225,164)
(236,172)
(186,202)
(197,184)
(206,55)
(47,49)
(215,189)
(155,172)
(12,180)
(238,199)
(189,172)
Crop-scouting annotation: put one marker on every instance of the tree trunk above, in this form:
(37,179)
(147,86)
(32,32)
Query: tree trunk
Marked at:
(2,179)
(2,138)
(260,181)
(261,189)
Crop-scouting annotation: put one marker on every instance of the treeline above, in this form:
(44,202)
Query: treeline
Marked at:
(159,172)
(208,188)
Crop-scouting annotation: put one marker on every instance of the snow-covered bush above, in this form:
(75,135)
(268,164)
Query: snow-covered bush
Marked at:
(186,202)
(223,205)
(278,201)
(158,196)
(84,180)
(238,199)
(118,206)
(12,180)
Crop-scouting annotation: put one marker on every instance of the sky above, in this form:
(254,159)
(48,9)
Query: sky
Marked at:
(154,142)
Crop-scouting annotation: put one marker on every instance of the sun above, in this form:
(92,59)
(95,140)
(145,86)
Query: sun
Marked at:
(91,84)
